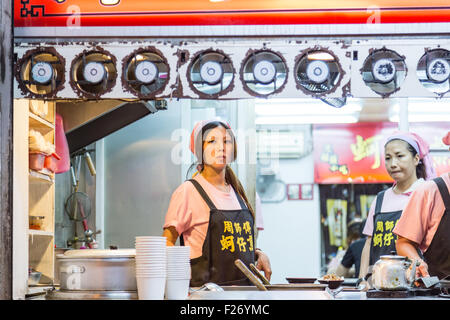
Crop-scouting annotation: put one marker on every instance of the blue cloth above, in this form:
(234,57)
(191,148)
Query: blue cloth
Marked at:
(353,255)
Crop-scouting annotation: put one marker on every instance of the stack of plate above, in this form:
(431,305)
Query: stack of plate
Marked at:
(151,267)
(178,272)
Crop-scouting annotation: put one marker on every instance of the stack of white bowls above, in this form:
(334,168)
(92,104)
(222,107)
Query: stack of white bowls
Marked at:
(178,272)
(151,267)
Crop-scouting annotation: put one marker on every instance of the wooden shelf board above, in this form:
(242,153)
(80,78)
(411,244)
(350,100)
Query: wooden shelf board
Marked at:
(44,175)
(38,123)
(34,232)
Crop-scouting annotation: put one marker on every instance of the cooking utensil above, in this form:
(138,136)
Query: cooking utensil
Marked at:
(332,284)
(301,280)
(428,282)
(259,274)
(390,272)
(85,225)
(90,164)
(333,291)
(76,202)
(241,266)
(98,270)
(210,286)
(296,287)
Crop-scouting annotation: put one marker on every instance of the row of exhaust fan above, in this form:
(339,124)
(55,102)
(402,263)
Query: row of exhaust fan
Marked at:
(41,72)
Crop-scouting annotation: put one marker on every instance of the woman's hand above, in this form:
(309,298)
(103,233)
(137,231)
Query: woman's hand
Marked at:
(408,249)
(263,263)
(422,269)
(171,234)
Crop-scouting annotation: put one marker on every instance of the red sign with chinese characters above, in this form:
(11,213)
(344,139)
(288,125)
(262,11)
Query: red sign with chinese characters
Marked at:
(58,13)
(354,153)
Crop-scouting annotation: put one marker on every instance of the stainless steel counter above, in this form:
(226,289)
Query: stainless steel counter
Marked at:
(292,295)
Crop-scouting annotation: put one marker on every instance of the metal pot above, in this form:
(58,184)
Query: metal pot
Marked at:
(392,272)
(95,269)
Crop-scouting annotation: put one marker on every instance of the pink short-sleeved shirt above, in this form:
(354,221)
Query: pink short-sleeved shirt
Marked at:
(189,213)
(391,202)
(422,215)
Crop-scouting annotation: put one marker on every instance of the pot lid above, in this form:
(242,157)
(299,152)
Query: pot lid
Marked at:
(98,253)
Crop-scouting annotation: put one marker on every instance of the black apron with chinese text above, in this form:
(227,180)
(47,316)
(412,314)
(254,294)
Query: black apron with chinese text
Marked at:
(230,236)
(437,255)
(383,239)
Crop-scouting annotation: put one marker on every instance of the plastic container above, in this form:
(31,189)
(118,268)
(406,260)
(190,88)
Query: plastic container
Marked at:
(51,162)
(36,160)
(36,222)
(34,277)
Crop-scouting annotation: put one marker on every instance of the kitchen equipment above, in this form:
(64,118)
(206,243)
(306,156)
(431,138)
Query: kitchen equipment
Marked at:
(212,287)
(271,287)
(301,280)
(97,270)
(54,294)
(411,292)
(258,283)
(50,162)
(36,160)
(332,284)
(34,277)
(392,272)
(428,282)
(36,222)
(209,286)
(444,284)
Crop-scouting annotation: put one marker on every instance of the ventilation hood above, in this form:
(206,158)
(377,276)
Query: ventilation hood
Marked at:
(90,121)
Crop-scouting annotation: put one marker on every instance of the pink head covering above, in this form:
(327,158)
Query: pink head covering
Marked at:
(422,148)
(198,130)
(446,139)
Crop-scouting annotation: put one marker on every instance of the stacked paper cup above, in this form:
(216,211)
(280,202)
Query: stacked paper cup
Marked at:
(151,267)
(178,272)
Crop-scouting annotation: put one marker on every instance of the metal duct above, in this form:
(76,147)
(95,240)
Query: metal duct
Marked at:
(103,124)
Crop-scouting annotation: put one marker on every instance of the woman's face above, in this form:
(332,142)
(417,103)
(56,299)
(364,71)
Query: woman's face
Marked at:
(218,148)
(399,161)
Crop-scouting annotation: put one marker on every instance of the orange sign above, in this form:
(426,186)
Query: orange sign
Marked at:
(60,13)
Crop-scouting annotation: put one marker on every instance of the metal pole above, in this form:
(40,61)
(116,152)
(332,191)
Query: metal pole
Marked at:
(6,148)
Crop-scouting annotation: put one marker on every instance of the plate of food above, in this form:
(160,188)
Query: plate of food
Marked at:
(301,280)
(333,281)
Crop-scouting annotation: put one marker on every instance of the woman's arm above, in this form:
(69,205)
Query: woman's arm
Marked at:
(408,248)
(342,271)
(365,255)
(171,234)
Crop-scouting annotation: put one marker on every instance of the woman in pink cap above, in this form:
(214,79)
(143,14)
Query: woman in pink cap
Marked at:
(211,212)
(407,161)
(425,226)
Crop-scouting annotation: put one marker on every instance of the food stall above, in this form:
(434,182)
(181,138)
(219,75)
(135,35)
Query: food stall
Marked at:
(106,66)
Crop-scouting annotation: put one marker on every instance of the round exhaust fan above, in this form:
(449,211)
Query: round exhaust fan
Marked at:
(318,72)
(433,70)
(146,73)
(93,73)
(211,73)
(41,73)
(263,73)
(384,71)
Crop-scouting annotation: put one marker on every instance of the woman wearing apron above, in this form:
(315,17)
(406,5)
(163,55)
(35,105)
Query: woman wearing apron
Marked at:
(425,226)
(212,214)
(408,163)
